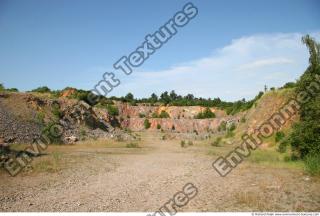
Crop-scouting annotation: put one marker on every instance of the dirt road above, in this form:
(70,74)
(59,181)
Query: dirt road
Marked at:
(144,179)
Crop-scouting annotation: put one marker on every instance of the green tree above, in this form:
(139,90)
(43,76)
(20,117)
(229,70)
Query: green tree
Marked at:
(42,89)
(305,137)
(129,97)
(1,87)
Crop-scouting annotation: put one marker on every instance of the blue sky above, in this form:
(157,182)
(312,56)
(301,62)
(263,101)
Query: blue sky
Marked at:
(230,50)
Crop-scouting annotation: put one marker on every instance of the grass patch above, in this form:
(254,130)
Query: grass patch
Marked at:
(49,164)
(132,145)
(217,142)
(274,159)
(312,165)
(182,143)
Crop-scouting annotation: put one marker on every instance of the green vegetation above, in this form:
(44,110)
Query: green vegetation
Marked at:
(132,145)
(56,111)
(312,164)
(289,85)
(1,87)
(182,143)
(142,115)
(53,131)
(217,142)
(42,89)
(163,114)
(112,110)
(146,124)
(40,118)
(158,126)
(207,113)
(222,126)
(305,137)
(279,136)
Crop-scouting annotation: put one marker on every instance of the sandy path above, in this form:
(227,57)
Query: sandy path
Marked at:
(144,181)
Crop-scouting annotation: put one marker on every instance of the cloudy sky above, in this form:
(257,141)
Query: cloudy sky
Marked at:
(230,50)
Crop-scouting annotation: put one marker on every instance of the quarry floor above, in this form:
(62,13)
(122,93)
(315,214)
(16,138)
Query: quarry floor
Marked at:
(144,179)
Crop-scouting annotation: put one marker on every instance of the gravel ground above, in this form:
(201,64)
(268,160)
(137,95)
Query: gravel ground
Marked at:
(144,179)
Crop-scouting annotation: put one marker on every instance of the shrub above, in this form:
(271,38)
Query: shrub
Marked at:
(1,87)
(312,164)
(222,126)
(232,127)
(279,136)
(229,134)
(182,143)
(132,145)
(146,124)
(288,85)
(243,119)
(43,89)
(190,143)
(12,90)
(207,113)
(112,110)
(142,115)
(163,114)
(40,118)
(158,126)
(56,111)
(282,148)
(173,127)
(217,142)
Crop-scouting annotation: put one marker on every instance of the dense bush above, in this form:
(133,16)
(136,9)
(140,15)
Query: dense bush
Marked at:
(112,110)
(158,126)
(142,115)
(163,114)
(207,113)
(312,164)
(42,89)
(1,87)
(146,124)
(279,136)
(305,137)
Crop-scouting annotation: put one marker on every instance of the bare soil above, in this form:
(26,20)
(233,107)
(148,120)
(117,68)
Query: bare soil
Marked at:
(143,179)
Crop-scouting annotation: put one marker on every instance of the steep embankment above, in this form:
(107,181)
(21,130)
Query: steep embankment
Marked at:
(181,118)
(23,117)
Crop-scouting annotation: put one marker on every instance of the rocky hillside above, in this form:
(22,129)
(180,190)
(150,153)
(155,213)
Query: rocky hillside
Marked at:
(24,116)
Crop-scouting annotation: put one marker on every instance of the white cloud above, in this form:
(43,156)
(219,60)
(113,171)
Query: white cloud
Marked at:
(237,70)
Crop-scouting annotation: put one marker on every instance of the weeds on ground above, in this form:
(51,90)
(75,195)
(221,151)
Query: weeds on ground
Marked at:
(50,164)
(132,145)
(217,142)
(182,143)
(312,164)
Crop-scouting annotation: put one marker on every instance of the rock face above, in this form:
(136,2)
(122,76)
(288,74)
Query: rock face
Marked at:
(181,118)
(178,125)
(16,128)
(24,117)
